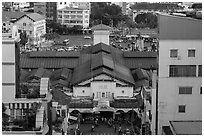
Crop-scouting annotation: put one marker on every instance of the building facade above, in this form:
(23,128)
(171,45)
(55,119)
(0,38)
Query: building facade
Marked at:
(47,9)
(180,70)
(73,17)
(34,25)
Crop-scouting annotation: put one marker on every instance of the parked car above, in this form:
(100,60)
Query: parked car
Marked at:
(60,49)
(87,37)
(119,41)
(66,41)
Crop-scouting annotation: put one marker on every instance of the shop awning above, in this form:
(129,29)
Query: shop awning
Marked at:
(103,108)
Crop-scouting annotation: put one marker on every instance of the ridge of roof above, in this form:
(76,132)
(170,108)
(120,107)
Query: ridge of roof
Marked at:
(101,27)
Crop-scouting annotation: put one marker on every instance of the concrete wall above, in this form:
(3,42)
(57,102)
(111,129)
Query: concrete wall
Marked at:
(8,70)
(101,36)
(107,87)
(168,87)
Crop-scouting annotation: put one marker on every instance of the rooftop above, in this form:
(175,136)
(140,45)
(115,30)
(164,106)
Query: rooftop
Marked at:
(187,127)
(101,27)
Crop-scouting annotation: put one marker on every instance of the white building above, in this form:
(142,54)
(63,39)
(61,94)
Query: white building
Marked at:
(180,72)
(101,34)
(20,5)
(34,24)
(81,5)
(73,16)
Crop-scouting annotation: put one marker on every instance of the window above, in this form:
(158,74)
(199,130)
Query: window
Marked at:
(123,91)
(173,53)
(103,94)
(182,108)
(4,24)
(30,32)
(60,3)
(200,90)
(199,70)
(11,114)
(191,53)
(65,3)
(182,71)
(24,24)
(185,90)
(83,91)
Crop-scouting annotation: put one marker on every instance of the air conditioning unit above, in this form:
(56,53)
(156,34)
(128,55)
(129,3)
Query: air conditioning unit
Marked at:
(179,57)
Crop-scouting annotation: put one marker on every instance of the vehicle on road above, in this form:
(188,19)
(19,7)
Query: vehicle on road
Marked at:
(66,41)
(119,41)
(87,37)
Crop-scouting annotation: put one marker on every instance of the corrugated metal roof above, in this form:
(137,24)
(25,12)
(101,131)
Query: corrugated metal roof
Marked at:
(107,66)
(144,63)
(30,63)
(138,54)
(51,54)
(39,73)
(100,47)
(63,73)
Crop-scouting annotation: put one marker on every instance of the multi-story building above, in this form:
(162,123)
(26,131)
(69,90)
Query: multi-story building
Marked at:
(73,16)
(34,24)
(64,4)
(20,5)
(81,5)
(47,9)
(16,107)
(180,75)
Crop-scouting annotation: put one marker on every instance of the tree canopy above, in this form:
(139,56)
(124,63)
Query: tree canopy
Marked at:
(109,14)
(146,20)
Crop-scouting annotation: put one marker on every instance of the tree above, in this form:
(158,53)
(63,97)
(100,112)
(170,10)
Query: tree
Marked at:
(146,20)
(51,36)
(109,14)
(23,38)
(5,117)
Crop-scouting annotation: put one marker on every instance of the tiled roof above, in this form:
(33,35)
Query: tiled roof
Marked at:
(35,16)
(8,15)
(101,27)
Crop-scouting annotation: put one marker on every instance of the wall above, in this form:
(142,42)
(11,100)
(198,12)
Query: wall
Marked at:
(168,93)
(8,70)
(101,36)
(107,87)
(28,27)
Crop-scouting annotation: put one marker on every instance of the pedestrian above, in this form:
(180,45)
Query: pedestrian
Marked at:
(92,128)
(115,128)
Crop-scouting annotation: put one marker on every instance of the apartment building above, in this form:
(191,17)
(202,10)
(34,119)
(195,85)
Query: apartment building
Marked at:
(73,17)
(180,75)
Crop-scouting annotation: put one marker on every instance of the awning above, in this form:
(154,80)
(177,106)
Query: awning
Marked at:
(72,118)
(103,108)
